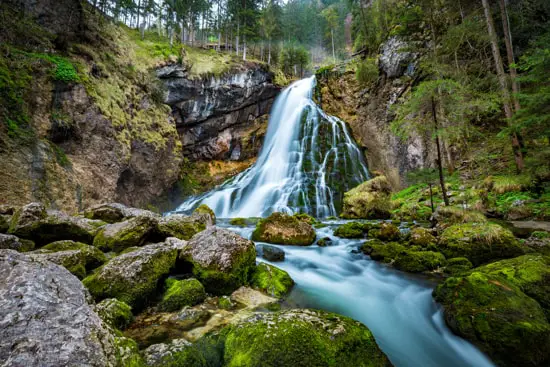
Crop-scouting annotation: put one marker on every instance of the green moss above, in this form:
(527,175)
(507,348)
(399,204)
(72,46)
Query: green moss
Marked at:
(385,252)
(271,280)
(540,235)
(386,232)
(180,293)
(351,230)
(479,242)
(241,222)
(93,256)
(307,339)
(118,236)
(370,200)
(458,266)
(115,313)
(204,209)
(496,316)
(284,229)
(457,215)
(422,237)
(419,261)
(127,353)
(224,302)
(181,227)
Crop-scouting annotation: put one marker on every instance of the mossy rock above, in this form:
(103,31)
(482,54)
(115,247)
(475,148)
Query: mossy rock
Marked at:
(11,242)
(127,353)
(351,230)
(181,226)
(386,232)
(4,223)
(116,212)
(204,210)
(419,261)
(180,293)
(497,317)
(118,236)
(284,229)
(272,253)
(448,215)
(271,280)
(380,251)
(422,237)
(531,273)
(93,256)
(133,277)
(115,313)
(240,222)
(479,242)
(301,338)
(220,259)
(458,266)
(370,200)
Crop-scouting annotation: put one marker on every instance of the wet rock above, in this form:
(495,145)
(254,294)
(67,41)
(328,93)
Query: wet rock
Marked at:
(497,317)
(162,354)
(33,222)
(325,241)
(221,260)
(114,313)
(271,280)
(284,229)
(181,293)
(386,232)
(479,242)
(172,71)
(132,232)
(133,277)
(115,212)
(317,339)
(11,242)
(272,253)
(46,319)
(370,200)
(251,298)
(351,230)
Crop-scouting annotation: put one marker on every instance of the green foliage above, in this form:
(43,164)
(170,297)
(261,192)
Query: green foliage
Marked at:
(367,72)
(294,59)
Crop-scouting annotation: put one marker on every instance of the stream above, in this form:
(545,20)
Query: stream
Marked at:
(308,160)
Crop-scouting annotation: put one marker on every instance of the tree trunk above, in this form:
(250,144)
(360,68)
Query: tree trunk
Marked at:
(269,53)
(138,10)
(439,160)
(333,53)
(431,197)
(237,38)
(518,155)
(510,53)
(244,48)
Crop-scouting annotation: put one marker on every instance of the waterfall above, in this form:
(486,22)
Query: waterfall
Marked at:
(307,161)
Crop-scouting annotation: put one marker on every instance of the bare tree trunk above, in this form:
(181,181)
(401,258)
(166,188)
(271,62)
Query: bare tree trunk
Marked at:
(510,53)
(138,11)
(518,155)
(333,54)
(237,38)
(244,48)
(439,158)
(269,53)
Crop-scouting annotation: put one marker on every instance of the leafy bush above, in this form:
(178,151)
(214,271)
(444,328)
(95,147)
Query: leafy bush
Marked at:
(366,72)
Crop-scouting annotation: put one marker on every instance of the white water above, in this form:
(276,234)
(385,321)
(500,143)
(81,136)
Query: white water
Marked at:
(307,161)
(397,308)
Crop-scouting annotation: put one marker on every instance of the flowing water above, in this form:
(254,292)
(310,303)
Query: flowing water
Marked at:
(308,160)
(398,308)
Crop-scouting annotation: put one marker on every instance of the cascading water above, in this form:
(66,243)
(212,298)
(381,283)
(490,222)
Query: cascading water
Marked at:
(308,160)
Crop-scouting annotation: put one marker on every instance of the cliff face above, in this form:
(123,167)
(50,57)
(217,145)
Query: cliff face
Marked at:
(218,116)
(369,113)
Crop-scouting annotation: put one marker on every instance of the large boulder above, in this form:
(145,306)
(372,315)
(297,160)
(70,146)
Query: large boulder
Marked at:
(220,259)
(33,222)
(403,258)
(301,338)
(284,229)
(531,273)
(91,257)
(115,212)
(479,242)
(498,317)
(72,260)
(351,230)
(11,242)
(119,236)
(114,313)
(370,200)
(45,318)
(271,280)
(134,277)
(183,226)
(386,232)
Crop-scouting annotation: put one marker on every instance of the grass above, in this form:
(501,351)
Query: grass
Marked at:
(507,183)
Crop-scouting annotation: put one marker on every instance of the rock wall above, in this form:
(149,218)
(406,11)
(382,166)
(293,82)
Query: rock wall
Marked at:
(220,117)
(369,113)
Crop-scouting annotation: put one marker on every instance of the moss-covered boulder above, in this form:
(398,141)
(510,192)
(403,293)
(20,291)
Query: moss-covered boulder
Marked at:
(33,222)
(11,242)
(207,214)
(180,293)
(240,222)
(182,226)
(271,280)
(386,232)
(284,229)
(220,259)
(114,313)
(134,276)
(351,230)
(370,200)
(419,261)
(479,242)
(116,212)
(498,317)
(422,237)
(93,257)
(132,232)
(449,215)
(531,273)
(300,338)
(72,260)
(458,266)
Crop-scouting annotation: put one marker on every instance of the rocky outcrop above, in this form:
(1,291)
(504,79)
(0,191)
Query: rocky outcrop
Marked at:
(46,319)
(370,200)
(218,116)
